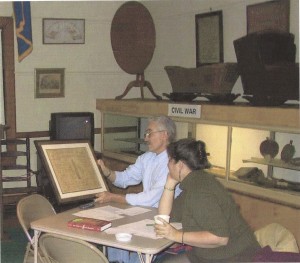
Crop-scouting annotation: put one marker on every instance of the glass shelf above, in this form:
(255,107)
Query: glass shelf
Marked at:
(133,140)
(274,162)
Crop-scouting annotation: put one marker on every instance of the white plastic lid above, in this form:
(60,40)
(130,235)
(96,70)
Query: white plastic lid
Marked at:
(123,237)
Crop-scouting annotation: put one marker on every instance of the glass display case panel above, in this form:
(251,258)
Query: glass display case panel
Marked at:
(245,144)
(184,130)
(215,138)
(251,167)
(121,134)
(288,172)
(125,134)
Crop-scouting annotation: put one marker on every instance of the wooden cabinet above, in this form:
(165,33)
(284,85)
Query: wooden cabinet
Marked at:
(232,133)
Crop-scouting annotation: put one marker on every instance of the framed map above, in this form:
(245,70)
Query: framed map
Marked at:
(63,31)
(72,169)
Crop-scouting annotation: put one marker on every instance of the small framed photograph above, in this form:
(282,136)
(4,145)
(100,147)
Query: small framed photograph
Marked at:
(272,15)
(209,38)
(72,169)
(49,83)
(63,31)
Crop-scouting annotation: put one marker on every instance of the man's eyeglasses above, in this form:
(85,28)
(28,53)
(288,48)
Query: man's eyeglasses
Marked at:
(148,134)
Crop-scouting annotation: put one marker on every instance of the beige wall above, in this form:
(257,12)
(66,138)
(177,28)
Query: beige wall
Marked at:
(90,69)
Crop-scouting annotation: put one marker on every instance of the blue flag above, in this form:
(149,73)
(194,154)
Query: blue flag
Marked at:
(23,28)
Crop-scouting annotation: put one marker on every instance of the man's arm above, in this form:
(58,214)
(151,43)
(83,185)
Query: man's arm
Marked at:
(109,174)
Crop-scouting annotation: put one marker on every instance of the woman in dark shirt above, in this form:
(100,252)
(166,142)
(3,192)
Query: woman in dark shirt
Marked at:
(211,221)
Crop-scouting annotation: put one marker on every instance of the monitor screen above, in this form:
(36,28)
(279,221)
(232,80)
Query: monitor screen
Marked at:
(72,126)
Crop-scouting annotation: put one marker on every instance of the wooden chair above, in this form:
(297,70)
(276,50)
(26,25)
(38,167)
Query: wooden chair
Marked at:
(31,208)
(15,166)
(62,249)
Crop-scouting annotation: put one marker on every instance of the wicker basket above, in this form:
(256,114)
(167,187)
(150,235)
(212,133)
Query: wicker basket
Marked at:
(212,79)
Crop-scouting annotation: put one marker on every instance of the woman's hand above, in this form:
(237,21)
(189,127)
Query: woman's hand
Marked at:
(167,231)
(171,182)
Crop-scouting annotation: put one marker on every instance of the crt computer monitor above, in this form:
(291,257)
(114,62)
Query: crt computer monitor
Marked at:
(72,126)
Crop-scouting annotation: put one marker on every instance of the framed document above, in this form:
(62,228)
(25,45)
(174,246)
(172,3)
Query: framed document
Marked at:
(271,15)
(209,38)
(72,169)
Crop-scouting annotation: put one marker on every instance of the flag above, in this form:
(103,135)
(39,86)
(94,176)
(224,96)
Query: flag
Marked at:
(23,28)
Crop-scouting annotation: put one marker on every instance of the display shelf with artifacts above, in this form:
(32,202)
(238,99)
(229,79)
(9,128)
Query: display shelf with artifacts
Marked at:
(274,162)
(233,135)
(265,190)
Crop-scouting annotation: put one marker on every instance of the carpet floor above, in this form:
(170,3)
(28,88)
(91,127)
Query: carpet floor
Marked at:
(13,249)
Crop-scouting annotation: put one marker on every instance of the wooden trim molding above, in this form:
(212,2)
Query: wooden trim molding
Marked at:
(40,134)
(6,24)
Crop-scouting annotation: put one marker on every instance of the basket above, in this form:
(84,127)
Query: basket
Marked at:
(211,79)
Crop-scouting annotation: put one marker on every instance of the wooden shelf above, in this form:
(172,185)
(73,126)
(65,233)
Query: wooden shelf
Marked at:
(133,140)
(281,119)
(274,162)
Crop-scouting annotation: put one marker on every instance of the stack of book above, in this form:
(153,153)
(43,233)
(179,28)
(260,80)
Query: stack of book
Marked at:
(89,224)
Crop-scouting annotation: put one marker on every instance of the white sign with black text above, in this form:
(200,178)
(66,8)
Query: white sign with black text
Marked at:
(184,110)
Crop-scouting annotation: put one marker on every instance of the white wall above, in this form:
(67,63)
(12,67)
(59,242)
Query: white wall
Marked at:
(90,69)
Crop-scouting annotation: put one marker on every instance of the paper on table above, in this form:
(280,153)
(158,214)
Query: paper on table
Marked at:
(112,209)
(143,228)
(103,213)
(139,228)
(132,211)
(110,212)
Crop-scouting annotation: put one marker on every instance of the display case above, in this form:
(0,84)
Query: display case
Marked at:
(232,133)
(123,135)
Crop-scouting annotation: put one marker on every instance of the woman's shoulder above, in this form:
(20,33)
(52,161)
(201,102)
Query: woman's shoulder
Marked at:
(204,180)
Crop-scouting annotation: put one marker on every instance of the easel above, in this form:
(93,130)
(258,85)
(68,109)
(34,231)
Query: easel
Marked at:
(141,83)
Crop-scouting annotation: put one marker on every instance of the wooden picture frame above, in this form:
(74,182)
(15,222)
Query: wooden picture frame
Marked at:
(63,31)
(273,15)
(49,83)
(209,38)
(72,169)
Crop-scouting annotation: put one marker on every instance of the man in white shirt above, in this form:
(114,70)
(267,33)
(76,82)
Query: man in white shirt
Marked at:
(151,168)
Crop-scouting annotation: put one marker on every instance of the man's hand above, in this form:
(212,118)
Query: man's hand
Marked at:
(105,197)
(105,170)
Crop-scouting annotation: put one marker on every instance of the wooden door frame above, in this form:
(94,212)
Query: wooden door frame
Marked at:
(6,24)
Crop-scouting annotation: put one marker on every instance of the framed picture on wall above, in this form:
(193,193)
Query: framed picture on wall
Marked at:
(49,83)
(209,38)
(63,31)
(273,15)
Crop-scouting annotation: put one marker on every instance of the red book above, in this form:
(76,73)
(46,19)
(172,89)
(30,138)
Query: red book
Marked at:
(89,224)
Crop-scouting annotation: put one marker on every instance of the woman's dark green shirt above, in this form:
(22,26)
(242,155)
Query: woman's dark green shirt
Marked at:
(206,205)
